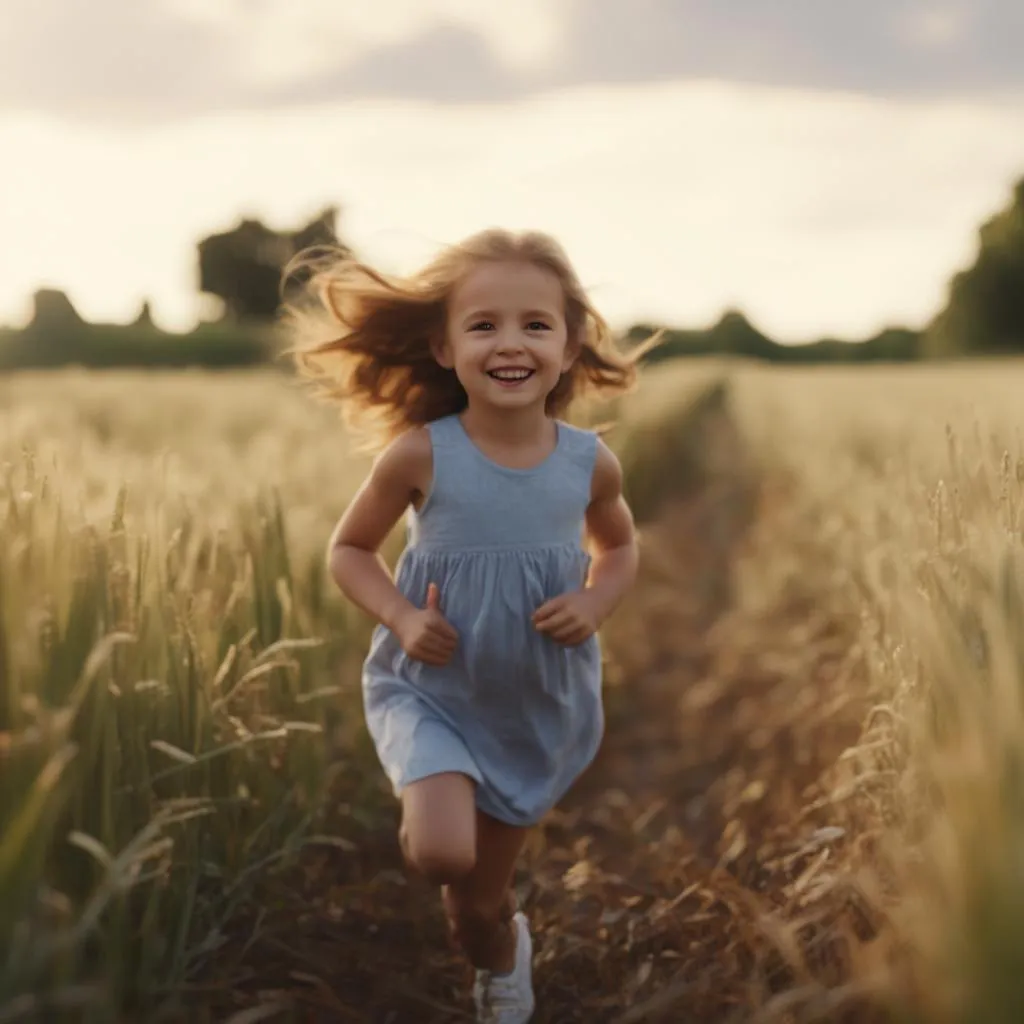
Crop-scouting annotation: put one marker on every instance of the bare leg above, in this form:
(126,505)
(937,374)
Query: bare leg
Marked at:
(480,904)
(439,828)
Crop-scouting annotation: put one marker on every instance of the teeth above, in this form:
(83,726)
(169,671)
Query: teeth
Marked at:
(511,374)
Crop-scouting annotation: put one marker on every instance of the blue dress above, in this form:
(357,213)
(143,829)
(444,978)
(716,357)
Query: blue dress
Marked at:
(516,711)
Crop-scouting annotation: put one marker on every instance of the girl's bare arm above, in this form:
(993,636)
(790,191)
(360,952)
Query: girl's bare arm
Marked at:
(571,618)
(399,474)
(612,535)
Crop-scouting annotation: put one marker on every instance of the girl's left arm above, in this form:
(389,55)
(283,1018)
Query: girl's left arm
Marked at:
(612,535)
(572,618)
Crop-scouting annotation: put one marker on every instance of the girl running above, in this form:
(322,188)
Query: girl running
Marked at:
(482,686)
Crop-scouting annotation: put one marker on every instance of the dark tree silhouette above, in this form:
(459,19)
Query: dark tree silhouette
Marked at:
(53,311)
(242,267)
(984,311)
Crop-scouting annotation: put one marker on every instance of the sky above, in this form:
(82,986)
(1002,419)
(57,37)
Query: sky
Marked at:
(823,167)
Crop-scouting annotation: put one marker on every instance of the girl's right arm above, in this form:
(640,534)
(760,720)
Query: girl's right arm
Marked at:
(400,473)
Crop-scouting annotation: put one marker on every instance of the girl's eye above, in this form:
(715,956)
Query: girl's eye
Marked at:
(487,325)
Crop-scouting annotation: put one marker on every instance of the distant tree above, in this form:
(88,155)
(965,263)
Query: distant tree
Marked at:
(55,332)
(242,267)
(735,335)
(893,344)
(984,311)
(145,317)
(731,335)
(52,310)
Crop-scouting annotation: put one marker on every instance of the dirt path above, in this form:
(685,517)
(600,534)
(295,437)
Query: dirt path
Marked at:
(651,891)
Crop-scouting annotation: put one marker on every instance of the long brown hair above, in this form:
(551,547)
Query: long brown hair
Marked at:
(381,367)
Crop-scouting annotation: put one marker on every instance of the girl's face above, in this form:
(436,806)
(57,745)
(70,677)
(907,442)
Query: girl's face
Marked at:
(506,335)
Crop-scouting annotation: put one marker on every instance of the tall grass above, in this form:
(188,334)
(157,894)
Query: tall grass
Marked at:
(176,673)
(169,663)
(915,481)
(162,708)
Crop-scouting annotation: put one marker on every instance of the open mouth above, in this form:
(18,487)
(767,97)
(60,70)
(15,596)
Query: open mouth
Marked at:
(511,376)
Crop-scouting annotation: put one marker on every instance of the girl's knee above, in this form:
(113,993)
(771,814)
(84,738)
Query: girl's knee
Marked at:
(437,857)
(438,832)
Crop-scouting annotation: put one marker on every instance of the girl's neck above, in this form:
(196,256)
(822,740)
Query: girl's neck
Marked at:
(508,428)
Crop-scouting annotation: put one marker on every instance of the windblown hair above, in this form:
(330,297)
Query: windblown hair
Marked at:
(365,338)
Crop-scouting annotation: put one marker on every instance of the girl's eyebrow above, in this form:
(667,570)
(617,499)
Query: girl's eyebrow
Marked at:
(482,314)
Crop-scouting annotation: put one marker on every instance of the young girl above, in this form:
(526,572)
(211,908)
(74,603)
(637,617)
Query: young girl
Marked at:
(482,687)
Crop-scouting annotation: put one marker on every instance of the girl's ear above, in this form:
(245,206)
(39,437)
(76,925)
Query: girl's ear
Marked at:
(441,350)
(573,347)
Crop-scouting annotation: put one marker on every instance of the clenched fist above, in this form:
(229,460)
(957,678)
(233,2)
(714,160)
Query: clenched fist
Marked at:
(569,619)
(425,634)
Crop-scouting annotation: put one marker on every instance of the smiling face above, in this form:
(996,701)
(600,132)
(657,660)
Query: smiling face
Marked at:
(506,336)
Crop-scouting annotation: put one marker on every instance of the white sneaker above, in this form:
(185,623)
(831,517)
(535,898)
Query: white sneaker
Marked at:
(508,998)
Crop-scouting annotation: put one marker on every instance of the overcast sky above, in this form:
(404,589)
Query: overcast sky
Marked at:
(824,166)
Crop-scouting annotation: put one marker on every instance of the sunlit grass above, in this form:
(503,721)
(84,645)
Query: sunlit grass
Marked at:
(915,479)
(175,668)
(170,660)
(176,672)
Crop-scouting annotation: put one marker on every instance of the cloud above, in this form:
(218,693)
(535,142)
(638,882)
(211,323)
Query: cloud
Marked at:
(113,60)
(126,60)
(446,64)
(895,47)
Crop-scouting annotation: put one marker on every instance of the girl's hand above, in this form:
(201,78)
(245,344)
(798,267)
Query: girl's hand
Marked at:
(425,634)
(568,619)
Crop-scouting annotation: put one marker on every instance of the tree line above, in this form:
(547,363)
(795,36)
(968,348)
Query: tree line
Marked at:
(983,311)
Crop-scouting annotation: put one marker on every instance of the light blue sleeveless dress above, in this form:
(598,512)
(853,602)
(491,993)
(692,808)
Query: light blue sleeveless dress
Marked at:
(516,711)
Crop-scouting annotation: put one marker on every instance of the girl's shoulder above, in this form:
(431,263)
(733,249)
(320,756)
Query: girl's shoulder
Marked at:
(586,435)
(407,460)
(586,446)
(408,446)
(580,445)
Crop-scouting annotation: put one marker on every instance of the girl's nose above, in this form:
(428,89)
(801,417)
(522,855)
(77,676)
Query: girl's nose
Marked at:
(510,341)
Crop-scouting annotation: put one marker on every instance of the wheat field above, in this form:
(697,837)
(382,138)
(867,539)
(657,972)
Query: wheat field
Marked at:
(810,805)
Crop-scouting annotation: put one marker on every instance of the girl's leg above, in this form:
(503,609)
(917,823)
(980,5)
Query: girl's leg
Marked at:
(480,904)
(438,833)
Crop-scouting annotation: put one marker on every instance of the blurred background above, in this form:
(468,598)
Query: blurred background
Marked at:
(749,175)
